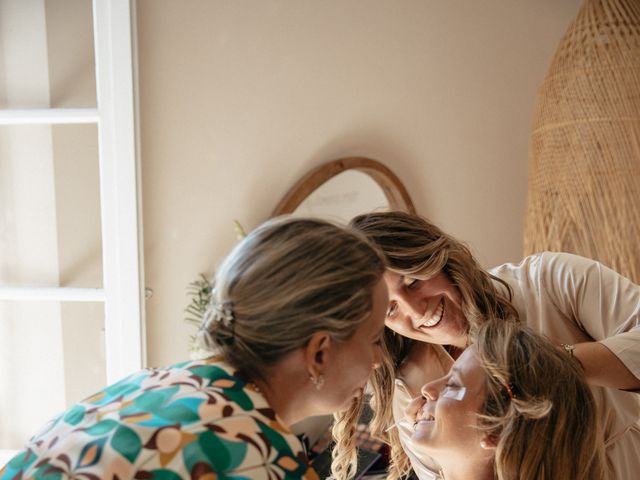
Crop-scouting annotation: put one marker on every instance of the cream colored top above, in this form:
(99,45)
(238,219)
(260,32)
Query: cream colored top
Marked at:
(569,299)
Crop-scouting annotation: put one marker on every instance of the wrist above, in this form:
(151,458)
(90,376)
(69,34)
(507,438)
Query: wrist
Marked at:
(570,350)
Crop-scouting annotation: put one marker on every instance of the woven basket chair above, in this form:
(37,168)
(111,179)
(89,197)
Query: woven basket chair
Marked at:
(584,157)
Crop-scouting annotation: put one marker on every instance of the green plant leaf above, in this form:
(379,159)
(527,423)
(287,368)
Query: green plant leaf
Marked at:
(240,231)
(200,292)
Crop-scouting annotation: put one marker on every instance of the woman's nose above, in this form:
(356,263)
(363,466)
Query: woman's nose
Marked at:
(430,390)
(414,305)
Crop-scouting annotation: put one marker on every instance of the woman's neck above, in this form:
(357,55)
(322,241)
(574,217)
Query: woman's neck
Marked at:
(284,388)
(479,467)
(454,351)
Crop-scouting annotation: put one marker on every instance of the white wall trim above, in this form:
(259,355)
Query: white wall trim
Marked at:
(56,294)
(119,189)
(48,116)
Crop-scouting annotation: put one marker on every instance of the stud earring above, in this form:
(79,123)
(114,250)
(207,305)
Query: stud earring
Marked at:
(318,381)
(483,444)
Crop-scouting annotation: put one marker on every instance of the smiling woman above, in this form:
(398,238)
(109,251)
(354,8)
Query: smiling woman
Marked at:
(482,419)
(440,297)
(429,311)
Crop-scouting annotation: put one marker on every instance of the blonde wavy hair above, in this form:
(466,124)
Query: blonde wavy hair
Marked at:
(549,429)
(415,247)
(288,279)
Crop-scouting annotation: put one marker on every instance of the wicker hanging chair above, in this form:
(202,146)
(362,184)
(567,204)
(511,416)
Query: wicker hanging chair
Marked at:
(584,160)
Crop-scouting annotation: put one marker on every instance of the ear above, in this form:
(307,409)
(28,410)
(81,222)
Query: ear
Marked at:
(316,354)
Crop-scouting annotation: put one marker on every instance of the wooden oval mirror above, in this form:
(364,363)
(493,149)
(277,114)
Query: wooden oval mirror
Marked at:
(345,187)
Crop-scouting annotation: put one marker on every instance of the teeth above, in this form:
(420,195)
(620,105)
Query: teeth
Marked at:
(428,416)
(436,317)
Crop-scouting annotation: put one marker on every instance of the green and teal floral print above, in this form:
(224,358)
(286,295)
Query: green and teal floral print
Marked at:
(192,420)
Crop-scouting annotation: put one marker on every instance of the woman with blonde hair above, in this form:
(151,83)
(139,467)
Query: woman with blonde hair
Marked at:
(294,329)
(439,296)
(496,415)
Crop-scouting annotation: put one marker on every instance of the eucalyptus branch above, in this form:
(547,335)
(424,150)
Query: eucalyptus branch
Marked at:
(200,292)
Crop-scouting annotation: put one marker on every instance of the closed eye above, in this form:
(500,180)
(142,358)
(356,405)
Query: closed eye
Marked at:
(413,282)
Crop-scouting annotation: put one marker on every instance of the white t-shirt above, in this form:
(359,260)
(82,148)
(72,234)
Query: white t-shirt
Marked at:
(569,299)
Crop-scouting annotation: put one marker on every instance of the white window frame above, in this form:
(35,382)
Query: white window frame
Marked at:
(122,254)
(120,192)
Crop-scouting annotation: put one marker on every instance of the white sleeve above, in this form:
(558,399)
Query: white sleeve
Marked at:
(603,303)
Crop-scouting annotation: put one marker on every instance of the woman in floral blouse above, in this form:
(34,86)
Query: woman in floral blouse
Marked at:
(294,330)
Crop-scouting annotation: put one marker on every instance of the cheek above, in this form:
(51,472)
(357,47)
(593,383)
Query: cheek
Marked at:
(455,297)
(455,313)
(457,417)
(401,325)
(353,362)
(360,362)
(394,325)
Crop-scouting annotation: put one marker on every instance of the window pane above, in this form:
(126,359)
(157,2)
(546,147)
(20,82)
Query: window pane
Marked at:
(51,356)
(50,206)
(46,54)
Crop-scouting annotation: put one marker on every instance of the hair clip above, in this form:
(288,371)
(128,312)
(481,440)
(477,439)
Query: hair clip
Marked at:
(508,389)
(222,312)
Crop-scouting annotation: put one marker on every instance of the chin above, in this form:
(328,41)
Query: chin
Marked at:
(424,440)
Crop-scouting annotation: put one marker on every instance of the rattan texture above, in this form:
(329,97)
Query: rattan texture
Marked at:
(584,153)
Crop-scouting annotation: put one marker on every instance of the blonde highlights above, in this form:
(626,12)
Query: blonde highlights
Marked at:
(549,429)
(381,382)
(416,248)
(288,279)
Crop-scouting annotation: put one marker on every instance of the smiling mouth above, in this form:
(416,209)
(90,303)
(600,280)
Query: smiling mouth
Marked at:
(436,317)
(424,417)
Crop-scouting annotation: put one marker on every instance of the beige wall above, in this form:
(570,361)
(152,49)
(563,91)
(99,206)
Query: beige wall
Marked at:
(239,99)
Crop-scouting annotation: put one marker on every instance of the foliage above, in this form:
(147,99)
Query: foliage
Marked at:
(200,292)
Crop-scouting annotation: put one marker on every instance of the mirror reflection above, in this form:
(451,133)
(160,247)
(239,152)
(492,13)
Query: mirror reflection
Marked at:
(343,197)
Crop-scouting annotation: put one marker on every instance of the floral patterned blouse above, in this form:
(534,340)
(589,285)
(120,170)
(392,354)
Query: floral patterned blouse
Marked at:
(191,420)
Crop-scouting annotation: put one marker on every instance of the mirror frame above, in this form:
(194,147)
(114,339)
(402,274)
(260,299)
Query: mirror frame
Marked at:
(392,187)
